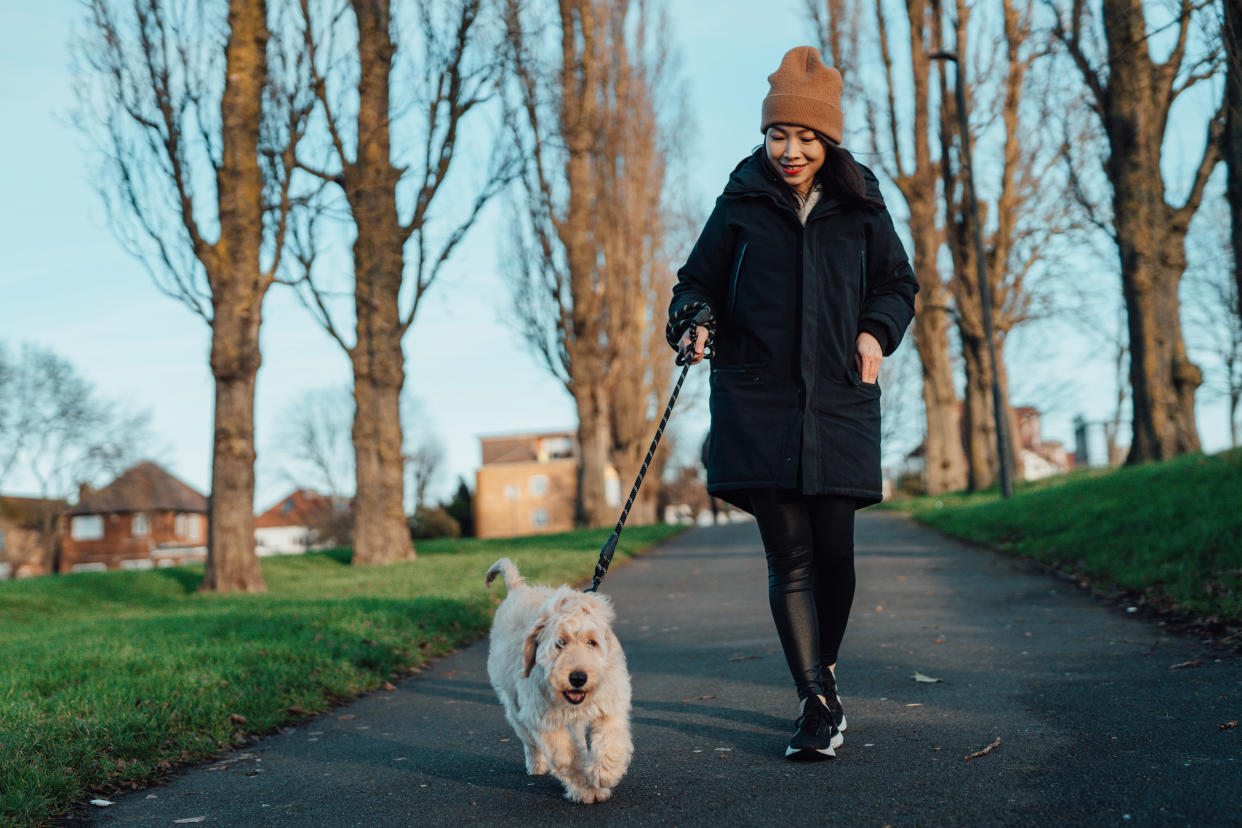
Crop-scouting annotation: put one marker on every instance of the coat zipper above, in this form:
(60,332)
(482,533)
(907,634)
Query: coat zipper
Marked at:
(737,271)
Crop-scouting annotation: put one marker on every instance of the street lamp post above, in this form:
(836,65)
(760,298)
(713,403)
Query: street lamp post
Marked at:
(985,293)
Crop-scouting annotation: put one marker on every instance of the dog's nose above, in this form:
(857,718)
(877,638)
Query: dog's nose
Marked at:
(577,678)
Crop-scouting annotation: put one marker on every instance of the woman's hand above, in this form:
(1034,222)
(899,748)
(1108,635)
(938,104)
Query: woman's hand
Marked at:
(700,343)
(867,357)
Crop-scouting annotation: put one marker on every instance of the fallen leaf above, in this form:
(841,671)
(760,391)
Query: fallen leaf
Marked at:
(925,679)
(1195,663)
(100,803)
(940,640)
(985,751)
(1229,725)
(346,716)
(237,719)
(915,704)
(743,657)
(388,685)
(879,608)
(297,709)
(698,698)
(188,820)
(504,740)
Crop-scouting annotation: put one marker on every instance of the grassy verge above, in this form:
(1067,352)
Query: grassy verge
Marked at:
(108,680)
(1171,530)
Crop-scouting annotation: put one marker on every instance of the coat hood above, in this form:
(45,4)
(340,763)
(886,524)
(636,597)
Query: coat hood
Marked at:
(754,176)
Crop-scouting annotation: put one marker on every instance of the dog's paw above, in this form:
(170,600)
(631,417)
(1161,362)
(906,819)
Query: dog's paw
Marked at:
(539,767)
(605,774)
(588,796)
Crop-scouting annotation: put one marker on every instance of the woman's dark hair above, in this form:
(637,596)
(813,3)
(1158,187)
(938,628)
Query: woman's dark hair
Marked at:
(840,175)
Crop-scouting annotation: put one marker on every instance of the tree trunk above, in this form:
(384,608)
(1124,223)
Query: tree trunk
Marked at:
(238,290)
(1231,145)
(591,507)
(1162,377)
(381,534)
(1151,239)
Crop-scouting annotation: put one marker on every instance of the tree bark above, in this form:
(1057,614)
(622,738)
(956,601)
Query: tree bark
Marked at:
(238,290)
(381,534)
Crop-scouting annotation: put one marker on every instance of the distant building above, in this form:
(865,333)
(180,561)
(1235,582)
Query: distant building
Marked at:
(143,519)
(28,530)
(297,524)
(1040,458)
(527,485)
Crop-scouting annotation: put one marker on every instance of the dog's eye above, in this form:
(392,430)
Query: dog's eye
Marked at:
(593,643)
(560,643)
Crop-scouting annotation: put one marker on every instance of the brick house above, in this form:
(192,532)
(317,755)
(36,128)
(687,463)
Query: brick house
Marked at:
(298,523)
(143,519)
(527,484)
(28,527)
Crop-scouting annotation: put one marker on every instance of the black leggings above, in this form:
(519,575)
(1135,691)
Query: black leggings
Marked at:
(809,543)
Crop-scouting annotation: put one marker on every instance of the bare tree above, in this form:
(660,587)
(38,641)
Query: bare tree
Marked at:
(905,157)
(1212,314)
(64,434)
(592,266)
(1026,214)
(312,441)
(199,114)
(1231,138)
(375,71)
(1132,95)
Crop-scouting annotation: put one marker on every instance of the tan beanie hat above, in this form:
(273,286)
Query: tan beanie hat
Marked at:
(804,92)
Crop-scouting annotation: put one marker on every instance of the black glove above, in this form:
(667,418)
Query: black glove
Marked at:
(704,318)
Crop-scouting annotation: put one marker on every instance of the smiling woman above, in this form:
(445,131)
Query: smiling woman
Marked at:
(801,272)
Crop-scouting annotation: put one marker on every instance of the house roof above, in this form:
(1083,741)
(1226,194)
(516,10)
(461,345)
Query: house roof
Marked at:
(303,507)
(144,488)
(28,512)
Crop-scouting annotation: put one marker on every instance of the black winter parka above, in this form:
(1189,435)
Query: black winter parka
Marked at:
(788,407)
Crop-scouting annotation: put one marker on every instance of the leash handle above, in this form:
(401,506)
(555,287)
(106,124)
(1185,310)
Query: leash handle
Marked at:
(610,546)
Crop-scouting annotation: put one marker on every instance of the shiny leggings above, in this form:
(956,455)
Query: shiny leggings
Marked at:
(809,543)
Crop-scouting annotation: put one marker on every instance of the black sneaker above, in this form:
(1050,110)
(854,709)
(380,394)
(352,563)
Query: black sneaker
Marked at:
(834,706)
(816,732)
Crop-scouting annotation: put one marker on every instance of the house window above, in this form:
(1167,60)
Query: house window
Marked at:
(98,566)
(86,527)
(138,563)
(539,484)
(188,526)
(555,448)
(539,517)
(511,492)
(140,528)
(286,507)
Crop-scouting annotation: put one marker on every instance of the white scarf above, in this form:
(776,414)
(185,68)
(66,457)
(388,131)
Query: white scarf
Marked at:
(805,208)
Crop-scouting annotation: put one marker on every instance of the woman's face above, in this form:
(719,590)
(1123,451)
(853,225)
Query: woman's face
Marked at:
(795,153)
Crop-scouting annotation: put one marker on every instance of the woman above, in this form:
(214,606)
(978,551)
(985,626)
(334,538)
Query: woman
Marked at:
(803,286)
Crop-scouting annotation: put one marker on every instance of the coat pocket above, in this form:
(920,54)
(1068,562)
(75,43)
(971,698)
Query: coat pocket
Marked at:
(737,274)
(752,417)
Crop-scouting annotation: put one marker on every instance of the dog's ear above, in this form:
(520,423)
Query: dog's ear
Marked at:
(532,643)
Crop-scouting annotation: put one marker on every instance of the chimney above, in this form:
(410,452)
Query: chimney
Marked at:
(84,491)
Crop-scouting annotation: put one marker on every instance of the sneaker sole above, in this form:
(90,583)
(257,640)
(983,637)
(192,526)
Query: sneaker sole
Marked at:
(809,755)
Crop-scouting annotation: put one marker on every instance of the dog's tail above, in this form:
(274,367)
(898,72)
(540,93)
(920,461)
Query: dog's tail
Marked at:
(504,566)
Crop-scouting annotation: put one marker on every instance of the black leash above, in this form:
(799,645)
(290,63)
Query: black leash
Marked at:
(610,546)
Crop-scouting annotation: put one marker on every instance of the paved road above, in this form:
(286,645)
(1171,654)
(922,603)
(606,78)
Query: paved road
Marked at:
(1095,728)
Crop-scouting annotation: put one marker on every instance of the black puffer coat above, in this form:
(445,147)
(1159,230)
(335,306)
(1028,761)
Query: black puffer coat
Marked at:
(788,407)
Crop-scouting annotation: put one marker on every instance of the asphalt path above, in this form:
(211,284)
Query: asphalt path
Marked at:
(1095,726)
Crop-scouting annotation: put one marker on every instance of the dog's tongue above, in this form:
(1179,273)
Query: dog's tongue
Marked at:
(575,696)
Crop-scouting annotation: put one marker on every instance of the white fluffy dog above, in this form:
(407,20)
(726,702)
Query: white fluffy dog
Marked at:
(560,673)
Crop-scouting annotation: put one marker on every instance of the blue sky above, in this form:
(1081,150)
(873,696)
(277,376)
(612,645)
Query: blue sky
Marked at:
(66,283)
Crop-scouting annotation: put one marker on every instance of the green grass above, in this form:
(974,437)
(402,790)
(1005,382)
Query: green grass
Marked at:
(1172,530)
(107,680)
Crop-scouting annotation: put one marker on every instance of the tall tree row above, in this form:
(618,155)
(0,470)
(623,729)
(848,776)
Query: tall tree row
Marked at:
(1131,94)
(589,260)
(370,66)
(198,111)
